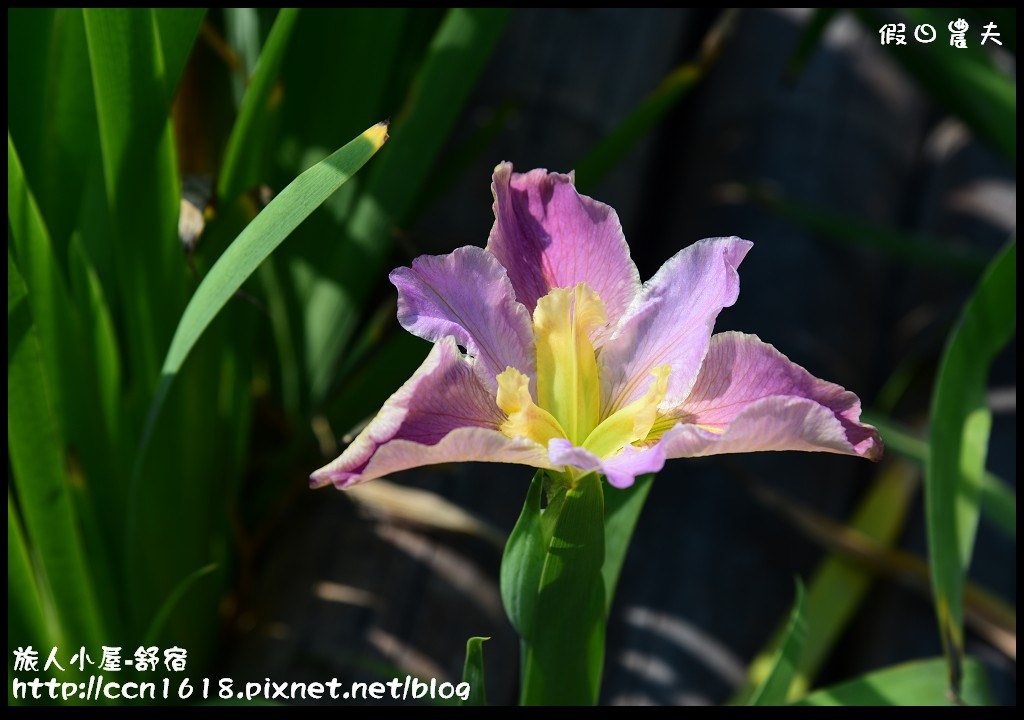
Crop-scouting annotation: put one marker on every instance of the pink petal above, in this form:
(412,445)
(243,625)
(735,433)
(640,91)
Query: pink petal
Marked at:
(441,414)
(467,295)
(547,235)
(764,401)
(671,322)
(621,470)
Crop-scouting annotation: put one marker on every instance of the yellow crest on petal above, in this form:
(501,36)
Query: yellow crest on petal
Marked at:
(567,382)
(631,423)
(525,418)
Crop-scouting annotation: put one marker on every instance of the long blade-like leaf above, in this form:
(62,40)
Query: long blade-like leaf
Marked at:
(810,38)
(131,53)
(61,326)
(36,452)
(284,213)
(253,245)
(132,98)
(958,443)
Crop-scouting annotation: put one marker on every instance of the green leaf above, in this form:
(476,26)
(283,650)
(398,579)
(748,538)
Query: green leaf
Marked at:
(130,84)
(255,243)
(246,144)
(958,443)
(36,454)
(473,672)
(523,561)
(63,332)
(775,688)
(48,295)
(622,510)
(921,682)
(564,648)
(132,90)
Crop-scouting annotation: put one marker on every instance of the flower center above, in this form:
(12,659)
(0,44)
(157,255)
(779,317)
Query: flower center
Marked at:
(567,384)
(568,387)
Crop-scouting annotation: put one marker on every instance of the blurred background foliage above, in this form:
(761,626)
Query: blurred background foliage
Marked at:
(879,186)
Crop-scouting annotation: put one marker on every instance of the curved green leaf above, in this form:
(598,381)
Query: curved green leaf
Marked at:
(958,443)
(523,560)
(255,243)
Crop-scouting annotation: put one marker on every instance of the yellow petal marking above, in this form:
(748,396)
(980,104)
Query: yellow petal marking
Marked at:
(567,382)
(631,423)
(525,418)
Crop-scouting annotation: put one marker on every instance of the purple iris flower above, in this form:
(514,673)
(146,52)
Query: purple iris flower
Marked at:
(571,364)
